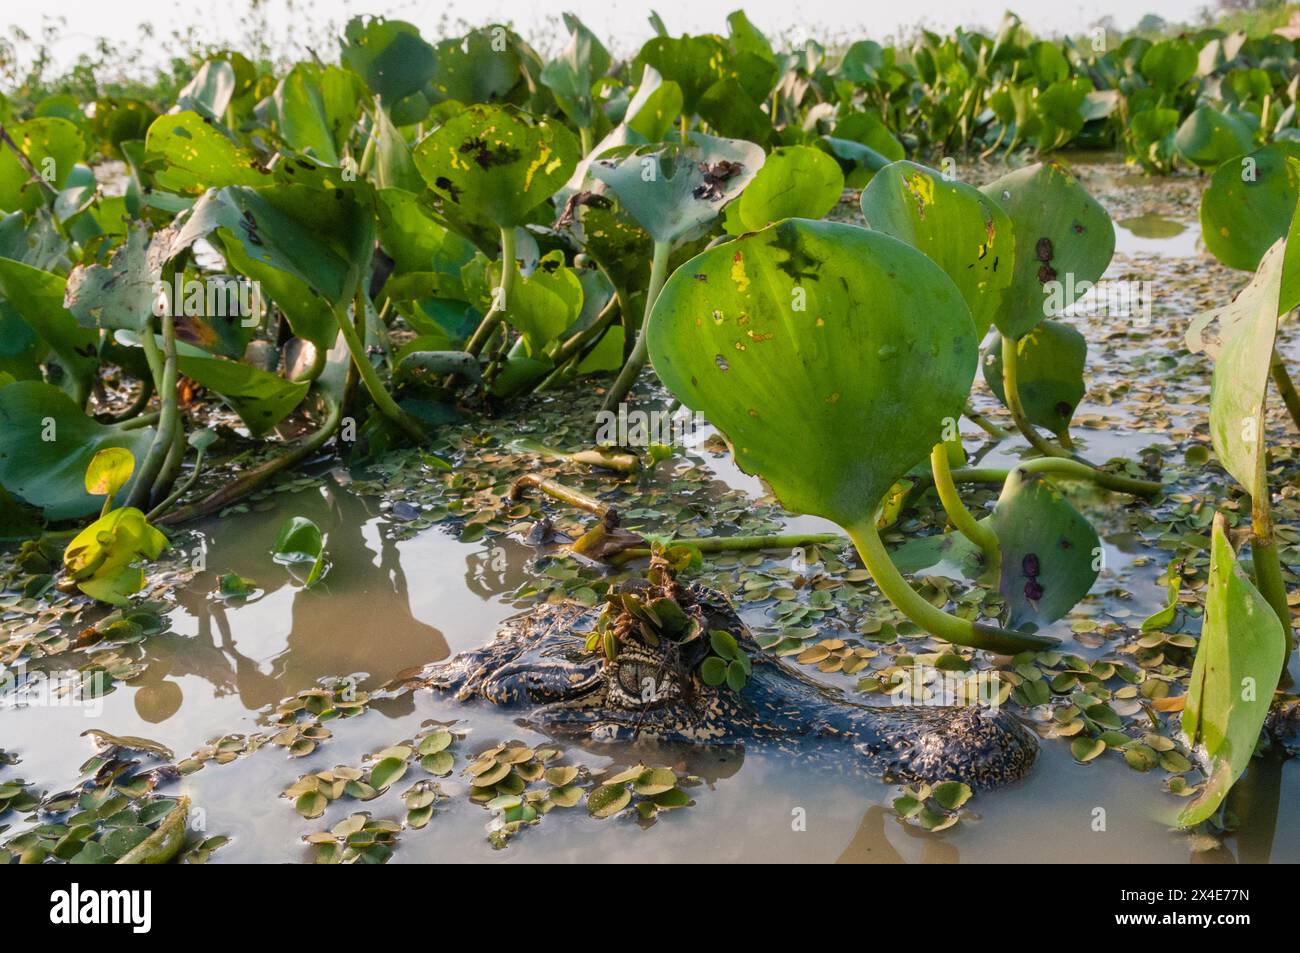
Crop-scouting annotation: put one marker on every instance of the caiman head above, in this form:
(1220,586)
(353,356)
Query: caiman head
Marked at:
(646,665)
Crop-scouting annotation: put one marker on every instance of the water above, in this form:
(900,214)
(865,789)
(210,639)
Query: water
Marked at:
(390,605)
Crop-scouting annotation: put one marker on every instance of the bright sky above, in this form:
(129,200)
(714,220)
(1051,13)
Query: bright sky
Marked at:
(622,23)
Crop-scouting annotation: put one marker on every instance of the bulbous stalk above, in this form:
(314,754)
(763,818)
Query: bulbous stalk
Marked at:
(499,304)
(378,393)
(636,361)
(163,366)
(979,420)
(979,635)
(1072,469)
(958,515)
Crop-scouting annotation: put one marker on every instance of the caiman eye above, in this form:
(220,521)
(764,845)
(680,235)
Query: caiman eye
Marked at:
(643,682)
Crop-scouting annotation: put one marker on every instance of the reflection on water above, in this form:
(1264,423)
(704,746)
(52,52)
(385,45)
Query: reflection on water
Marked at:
(1154,234)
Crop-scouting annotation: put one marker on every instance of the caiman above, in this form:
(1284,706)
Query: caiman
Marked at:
(632,670)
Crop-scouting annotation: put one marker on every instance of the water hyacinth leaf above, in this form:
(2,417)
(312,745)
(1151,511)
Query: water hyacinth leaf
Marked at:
(1210,136)
(959,228)
(497,163)
(1169,63)
(394,164)
(121,294)
(1064,242)
(859,162)
(300,541)
(389,55)
(654,108)
(794,182)
(1048,551)
(260,398)
(166,840)
(1244,213)
(190,155)
(1050,370)
(545,303)
(569,76)
(674,189)
(53,146)
(37,297)
(1243,355)
(1238,661)
(694,63)
(308,247)
(878,316)
(104,558)
(109,471)
(314,108)
(50,473)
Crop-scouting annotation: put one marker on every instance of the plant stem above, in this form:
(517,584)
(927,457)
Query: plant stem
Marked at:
(369,376)
(164,367)
(907,600)
(251,480)
(501,302)
(1011,391)
(1084,471)
(178,492)
(1072,469)
(1285,388)
(1267,565)
(636,361)
(737,544)
(559,491)
(966,524)
(988,426)
(584,138)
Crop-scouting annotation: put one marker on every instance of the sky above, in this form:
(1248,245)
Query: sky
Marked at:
(622,23)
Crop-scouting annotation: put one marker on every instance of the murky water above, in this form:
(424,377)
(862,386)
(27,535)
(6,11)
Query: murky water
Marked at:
(389,605)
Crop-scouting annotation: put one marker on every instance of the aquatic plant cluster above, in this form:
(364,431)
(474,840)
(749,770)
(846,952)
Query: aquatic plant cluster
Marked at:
(373,258)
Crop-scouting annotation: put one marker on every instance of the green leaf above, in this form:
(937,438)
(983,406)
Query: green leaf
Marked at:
(121,294)
(1049,368)
(673,190)
(1048,550)
(607,800)
(1209,137)
(53,145)
(37,297)
(713,670)
(47,443)
(1249,204)
(846,319)
(386,772)
(193,155)
(959,228)
(794,182)
(1243,354)
(694,63)
(109,471)
(570,75)
(308,247)
(314,109)
(654,781)
(951,795)
(1238,662)
(261,399)
(654,108)
(300,541)
(736,676)
(497,163)
(724,643)
(1064,242)
(1169,64)
(389,55)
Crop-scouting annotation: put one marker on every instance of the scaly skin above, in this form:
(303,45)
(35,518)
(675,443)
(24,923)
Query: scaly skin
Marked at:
(539,661)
